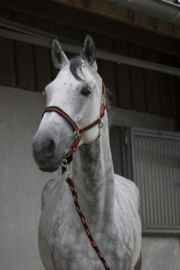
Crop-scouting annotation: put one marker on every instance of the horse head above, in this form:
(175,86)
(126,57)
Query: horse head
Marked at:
(77,90)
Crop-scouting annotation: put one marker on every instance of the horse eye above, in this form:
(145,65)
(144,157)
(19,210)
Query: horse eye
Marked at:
(85,92)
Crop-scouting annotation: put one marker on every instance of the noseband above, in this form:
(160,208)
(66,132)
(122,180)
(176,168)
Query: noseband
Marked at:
(68,158)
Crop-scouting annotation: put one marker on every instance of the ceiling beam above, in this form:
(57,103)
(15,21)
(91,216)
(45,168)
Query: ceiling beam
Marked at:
(97,24)
(46,42)
(101,8)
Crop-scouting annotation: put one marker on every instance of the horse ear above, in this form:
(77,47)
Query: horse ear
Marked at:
(58,56)
(89,51)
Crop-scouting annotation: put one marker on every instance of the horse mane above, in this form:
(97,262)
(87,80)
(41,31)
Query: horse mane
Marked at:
(75,65)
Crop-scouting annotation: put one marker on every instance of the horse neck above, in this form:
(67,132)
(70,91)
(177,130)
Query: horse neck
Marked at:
(93,175)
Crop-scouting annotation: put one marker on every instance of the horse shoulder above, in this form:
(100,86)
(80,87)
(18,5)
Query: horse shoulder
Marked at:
(130,193)
(48,189)
(130,188)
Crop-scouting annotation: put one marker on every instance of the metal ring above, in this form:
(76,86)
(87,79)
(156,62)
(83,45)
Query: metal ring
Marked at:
(100,124)
(76,133)
(64,163)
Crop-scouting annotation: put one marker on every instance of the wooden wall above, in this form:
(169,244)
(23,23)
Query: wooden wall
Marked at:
(29,67)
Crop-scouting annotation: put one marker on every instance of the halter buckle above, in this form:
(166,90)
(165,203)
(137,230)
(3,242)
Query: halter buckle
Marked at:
(101,123)
(100,126)
(76,132)
(66,166)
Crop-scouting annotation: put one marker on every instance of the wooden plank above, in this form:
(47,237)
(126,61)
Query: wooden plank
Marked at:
(7,57)
(164,95)
(99,53)
(101,8)
(143,38)
(173,96)
(177,95)
(164,91)
(100,25)
(151,84)
(111,28)
(173,61)
(44,72)
(107,69)
(137,81)
(24,58)
(123,77)
(74,34)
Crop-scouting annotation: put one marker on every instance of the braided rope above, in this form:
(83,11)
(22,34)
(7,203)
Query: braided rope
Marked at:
(80,213)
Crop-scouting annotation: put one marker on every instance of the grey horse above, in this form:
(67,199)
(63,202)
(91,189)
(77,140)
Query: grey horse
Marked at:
(109,202)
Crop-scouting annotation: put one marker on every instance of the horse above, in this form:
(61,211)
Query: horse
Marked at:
(109,201)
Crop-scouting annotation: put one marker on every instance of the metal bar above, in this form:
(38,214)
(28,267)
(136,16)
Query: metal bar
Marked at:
(178,169)
(44,39)
(131,147)
(163,192)
(163,150)
(151,178)
(143,181)
(133,155)
(138,175)
(177,176)
(166,227)
(34,32)
(157,188)
(25,38)
(160,135)
(157,175)
(138,63)
(175,188)
(147,181)
(161,231)
(129,157)
(172,180)
(168,182)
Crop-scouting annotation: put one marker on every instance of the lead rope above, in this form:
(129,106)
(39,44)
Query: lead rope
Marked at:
(68,158)
(81,215)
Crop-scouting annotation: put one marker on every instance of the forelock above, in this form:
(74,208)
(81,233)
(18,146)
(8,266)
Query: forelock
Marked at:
(75,65)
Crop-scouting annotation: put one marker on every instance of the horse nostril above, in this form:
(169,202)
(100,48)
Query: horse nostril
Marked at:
(50,148)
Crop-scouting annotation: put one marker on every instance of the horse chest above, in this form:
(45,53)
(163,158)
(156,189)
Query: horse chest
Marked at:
(68,251)
(64,244)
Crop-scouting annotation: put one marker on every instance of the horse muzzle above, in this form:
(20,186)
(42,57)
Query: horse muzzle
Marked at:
(47,155)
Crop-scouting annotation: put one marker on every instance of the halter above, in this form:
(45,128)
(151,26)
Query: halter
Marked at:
(68,158)
(79,131)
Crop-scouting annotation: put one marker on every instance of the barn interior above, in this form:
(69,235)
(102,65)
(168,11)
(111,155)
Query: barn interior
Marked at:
(138,57)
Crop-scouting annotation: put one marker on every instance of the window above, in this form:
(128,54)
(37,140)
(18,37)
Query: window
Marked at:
(152,160)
